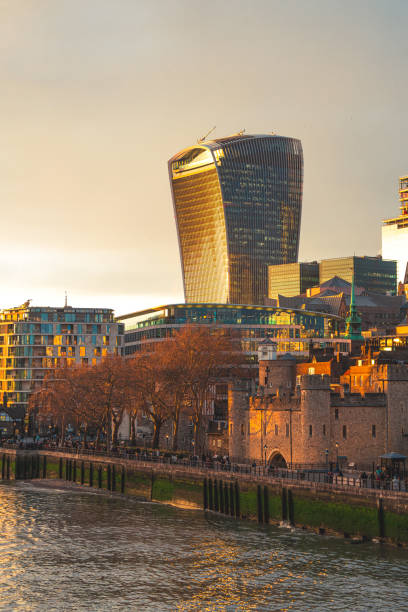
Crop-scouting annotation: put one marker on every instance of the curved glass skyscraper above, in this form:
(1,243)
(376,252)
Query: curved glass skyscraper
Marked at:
(237,203)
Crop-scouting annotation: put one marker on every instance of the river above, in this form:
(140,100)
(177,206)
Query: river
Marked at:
(63,550)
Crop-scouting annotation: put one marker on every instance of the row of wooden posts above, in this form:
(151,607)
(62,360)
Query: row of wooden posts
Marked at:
(69,469)
(221,497)
(224,497)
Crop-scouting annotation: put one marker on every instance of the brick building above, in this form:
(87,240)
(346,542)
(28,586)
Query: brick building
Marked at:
(306,419)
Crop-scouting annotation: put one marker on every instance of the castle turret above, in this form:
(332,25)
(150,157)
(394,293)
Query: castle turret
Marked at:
(315,417)
(274,373)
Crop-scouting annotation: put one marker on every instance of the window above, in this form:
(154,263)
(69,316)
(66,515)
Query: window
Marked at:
(276,430)
(344,431)
(324,430)
(287,430)
(310,430)
(373,431)
(242,430)
(336,414)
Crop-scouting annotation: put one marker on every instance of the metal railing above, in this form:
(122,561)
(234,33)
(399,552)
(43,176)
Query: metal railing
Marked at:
(320,476)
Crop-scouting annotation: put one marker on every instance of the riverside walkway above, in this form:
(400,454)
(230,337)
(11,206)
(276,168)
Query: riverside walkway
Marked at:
(304,478)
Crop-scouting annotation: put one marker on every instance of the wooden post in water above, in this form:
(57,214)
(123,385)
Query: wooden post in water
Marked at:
(8,467)
(91,468)
(113,477)
(221,495)
(205,494)
(82,472)
(259,504)
(266,504)
(74,470)
(61,468)
(284,505)
(3,466)
(291,518)
(109,477)
(66,469)
(380,518)
(123,480)
(99,477)
(226,499)
(210,494)
(237,504)
(231,498)
(25,468)
(44,466)
(216,506)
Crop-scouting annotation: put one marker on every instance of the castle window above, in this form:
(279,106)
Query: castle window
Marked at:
(310,430)
(373,431)
(287,430)
(324,430)
(344,431)
(336,413)
(242,429)
(276,430)
(231,428)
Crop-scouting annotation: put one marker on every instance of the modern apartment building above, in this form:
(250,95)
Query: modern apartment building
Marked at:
(395,232)
(237,203)
(36,339)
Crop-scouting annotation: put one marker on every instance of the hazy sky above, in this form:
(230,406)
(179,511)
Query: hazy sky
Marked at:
(96,95)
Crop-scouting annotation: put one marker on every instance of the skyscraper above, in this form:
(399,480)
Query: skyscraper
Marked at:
(237,202)
(395,232)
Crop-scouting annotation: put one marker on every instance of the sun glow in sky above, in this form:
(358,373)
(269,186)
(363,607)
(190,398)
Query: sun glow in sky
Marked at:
(98,95)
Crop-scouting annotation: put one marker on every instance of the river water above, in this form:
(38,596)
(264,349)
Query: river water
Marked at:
(66,550)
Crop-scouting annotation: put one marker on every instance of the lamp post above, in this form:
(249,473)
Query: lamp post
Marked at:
(167,442)
(337,456)
(326,452)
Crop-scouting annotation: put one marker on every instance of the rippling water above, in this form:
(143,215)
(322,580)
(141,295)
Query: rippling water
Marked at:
(64,550)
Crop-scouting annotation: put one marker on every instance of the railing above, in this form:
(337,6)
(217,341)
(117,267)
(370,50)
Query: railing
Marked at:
(251,472)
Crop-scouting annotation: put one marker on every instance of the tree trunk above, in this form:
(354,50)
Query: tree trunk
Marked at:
(133,429)
(116,424)
(176,422)
(156,436)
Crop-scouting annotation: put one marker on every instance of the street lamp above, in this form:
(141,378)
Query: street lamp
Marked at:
(167,442)
(337,456)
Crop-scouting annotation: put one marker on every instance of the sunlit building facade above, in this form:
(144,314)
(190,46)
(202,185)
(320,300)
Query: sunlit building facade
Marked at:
(237,203)
(35,340)
(292,279)
(395,233)
(374,274)
(294,331)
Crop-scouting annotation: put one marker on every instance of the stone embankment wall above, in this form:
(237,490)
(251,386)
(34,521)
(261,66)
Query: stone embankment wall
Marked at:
(363,513)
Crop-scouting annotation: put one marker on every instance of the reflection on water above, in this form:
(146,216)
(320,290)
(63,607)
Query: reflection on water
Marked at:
(62,550)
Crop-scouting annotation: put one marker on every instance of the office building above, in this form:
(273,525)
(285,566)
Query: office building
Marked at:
(374,274)
(292,279)
(294,331)
(395,233)
(237,203)
(37,339)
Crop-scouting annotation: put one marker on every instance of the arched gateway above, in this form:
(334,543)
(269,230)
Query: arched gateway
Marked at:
(277,460)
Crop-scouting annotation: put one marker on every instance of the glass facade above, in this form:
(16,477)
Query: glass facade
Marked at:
(237,204)
(34,340)
(374,274)
(293,330)
(292,279)
(395,233)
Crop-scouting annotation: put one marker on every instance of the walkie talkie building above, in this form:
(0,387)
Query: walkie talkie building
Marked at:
(237,203)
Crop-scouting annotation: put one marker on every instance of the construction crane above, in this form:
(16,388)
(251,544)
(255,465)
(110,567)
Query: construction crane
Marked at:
(206,136)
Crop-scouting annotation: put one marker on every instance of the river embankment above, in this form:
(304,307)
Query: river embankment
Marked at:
(362,514)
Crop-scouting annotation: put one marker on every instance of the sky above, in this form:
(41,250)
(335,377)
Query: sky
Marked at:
(97,95)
